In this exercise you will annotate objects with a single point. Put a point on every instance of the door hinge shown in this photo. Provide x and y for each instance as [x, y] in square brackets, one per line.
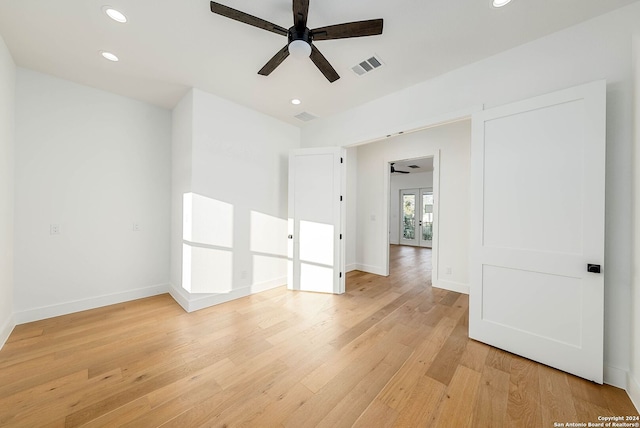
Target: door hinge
[340, 274]
[341, 236]
[340, 198]
[341, 160]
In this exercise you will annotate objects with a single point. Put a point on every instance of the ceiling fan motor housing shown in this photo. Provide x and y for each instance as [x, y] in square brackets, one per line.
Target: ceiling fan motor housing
[303, 34]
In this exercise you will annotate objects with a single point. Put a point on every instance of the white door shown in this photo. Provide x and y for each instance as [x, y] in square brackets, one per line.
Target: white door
[416, 217]
[537, 210]
[316, 210]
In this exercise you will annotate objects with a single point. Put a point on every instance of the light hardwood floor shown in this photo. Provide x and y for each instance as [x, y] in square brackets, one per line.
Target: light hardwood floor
[390, 352]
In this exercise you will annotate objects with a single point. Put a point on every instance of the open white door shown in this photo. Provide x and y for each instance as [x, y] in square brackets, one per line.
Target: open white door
[537, 210]
[316, 210]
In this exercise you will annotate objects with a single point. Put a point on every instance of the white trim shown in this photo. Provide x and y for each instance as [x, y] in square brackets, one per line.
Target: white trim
[435, 232]
[351, 267]
[269, 285]
[458, 287]
[6, 329]
[416, 126]
[66, 308]
[633, 390]
[376, 270]
[615, 377]
[195, 302]
[180, 296]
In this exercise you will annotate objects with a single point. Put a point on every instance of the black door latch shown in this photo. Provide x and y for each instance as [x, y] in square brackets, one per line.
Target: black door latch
[593, 268]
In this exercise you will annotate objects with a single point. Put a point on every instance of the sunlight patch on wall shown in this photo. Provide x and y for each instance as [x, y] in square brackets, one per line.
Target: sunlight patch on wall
[206, 270]
[207, 250]
[268, 268]
[268, 239]
[207, 221]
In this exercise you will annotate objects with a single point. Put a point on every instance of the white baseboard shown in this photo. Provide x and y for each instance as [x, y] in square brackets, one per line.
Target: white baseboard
[268, 285]
[45, 312]
[180, 296]
[195, 302]
[377, 270]
[633, 389]
[351, 267]
[6, 329]
[458, 287]
[615, 377]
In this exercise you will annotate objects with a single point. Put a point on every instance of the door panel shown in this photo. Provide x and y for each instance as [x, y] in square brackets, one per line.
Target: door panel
[426, 218]
[409, 221]
[315, 220]
[537, 174]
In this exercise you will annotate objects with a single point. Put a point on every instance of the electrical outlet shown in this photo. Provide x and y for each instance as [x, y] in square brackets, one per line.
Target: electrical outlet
[136, 227]
[54, 229]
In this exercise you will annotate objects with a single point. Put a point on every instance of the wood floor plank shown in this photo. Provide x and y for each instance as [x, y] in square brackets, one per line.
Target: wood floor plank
[490, 410]
[523, 404]
[391, 351]
[377, 414]
[556, 402]
[458, 403]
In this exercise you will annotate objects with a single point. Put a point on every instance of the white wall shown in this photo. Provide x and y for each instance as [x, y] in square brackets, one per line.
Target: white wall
[596, 49]
[7, 101]
[93, 163]
[239, 169]
[634, 372]
[181, 171]
[414, 180]
[451, 143]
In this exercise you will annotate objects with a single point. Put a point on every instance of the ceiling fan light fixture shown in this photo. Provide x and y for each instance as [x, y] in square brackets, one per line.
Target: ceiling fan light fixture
[299, 49]
[500, 3]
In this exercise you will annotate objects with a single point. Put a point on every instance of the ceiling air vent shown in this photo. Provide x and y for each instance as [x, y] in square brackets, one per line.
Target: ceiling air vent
[305, 116]
[367, 65]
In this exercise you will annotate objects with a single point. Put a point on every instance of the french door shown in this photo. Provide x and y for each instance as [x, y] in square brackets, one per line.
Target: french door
[416, 217]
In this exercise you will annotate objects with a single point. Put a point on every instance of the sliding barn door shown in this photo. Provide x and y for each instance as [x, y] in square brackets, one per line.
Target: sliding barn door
[316, 210]
[537, 185]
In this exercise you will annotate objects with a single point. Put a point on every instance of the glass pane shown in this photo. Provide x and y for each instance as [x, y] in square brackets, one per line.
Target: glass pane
[427, 216]
[409, 216]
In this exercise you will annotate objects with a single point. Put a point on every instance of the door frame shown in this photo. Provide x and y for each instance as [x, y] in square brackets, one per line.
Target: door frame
[436, 208]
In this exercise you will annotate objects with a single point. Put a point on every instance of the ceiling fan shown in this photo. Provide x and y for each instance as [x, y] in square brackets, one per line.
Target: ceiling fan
[395, 170]
[300, 37]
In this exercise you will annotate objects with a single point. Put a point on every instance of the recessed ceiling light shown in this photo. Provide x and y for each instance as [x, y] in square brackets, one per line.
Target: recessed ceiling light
[116, 15]
[109, 56]
[295, 101]
[500, 3]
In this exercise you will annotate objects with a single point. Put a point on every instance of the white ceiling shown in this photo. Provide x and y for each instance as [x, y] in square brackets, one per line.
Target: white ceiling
[169, 46]
[423, 164]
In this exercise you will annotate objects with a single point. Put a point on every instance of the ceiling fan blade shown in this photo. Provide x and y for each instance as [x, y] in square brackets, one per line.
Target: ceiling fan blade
[237, 15]
[403, 172]
[323, 65]
[275, 61]
[371, 27]
[300, 12]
